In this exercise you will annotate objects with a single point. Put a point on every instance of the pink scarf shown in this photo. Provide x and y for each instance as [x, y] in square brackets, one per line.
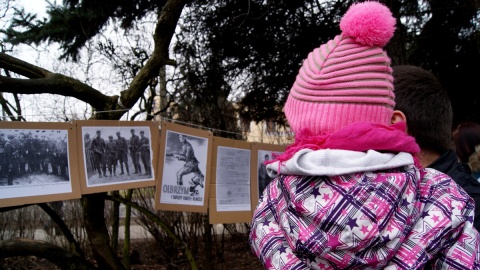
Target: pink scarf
[356, 137]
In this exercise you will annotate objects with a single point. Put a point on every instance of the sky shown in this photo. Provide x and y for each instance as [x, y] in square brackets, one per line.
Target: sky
[34, 6]
[97, 75]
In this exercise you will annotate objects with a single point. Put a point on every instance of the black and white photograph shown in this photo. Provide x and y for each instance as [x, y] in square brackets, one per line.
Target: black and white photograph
[35, 161]
[264, 156]
[117, 154]
[262, 153]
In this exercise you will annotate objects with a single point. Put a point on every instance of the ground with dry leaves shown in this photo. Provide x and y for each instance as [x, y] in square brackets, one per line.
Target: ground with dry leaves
[146, 256]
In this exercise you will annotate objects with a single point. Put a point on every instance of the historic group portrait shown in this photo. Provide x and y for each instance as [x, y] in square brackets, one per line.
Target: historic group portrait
[37, 162]
[117, 154]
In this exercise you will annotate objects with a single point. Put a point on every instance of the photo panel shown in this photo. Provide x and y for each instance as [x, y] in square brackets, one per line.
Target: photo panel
[117, 155]
[230, 199]
[260, 179]
[38, 163]
[184, 164]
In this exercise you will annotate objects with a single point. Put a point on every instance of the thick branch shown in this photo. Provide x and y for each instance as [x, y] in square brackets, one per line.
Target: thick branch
[45, 82]
[164, 30]
[53, 253]
[59, 85]
[20, 67]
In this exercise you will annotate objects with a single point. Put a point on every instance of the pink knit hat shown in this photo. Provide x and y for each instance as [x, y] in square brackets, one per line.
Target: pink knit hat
[348, 79]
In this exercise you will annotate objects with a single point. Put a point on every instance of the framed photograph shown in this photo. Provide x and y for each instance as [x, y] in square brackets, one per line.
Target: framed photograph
[230, 199]
[184, 165]
[116, 155]
[261, 153]
[38, 163]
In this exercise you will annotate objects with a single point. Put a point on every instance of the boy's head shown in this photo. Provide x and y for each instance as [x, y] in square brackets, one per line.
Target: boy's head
[348, 79]
[426, 106]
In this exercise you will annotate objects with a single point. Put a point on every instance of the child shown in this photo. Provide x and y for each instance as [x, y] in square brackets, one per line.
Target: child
[350, 193]
[423, 103]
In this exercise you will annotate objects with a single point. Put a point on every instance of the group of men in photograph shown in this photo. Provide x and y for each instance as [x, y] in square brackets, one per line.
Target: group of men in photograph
[104, 156]
[32, 152]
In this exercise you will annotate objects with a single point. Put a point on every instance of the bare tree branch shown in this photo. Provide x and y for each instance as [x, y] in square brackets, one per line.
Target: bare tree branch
[53, 253]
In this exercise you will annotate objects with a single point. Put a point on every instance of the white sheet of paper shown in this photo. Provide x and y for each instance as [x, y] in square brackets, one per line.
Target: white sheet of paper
[233, 179]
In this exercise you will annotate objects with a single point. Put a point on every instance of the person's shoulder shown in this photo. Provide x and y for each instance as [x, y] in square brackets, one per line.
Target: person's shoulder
[459, 185]
[434, 179]
[463, 176]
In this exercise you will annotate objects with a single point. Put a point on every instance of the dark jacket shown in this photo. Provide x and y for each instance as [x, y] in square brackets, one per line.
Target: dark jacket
[461, 173]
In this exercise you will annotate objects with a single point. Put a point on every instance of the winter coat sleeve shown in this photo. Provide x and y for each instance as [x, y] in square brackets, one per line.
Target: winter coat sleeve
[267, 237]
[461, 246]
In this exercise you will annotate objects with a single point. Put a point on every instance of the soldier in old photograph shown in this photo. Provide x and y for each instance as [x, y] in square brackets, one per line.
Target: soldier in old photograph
[60, 159]
[11, 159]
[134, 152]
[44, 156]
[111, 156]
[122, 152]
[191, 163]
[98, 148]
[20, 143]
[32, 146]
[145, 153]
[3, 141]
[87, 141]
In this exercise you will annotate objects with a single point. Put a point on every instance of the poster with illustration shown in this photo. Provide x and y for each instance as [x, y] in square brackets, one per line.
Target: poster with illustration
[184, 168]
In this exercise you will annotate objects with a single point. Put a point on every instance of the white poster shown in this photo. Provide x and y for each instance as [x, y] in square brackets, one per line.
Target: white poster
[233, 179]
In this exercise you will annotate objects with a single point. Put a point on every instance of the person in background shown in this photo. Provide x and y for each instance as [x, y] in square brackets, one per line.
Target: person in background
[466, 136]
[350, 192]
[427, 110]
[474, 163]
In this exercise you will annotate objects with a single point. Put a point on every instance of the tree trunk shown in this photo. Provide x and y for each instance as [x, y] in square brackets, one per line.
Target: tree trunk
[95, 225]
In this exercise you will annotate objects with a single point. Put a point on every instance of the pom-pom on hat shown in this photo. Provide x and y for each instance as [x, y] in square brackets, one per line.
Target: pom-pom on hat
[348, 79]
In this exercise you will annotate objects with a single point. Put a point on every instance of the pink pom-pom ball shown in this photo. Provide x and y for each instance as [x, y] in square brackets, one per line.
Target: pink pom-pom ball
[369, 23]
